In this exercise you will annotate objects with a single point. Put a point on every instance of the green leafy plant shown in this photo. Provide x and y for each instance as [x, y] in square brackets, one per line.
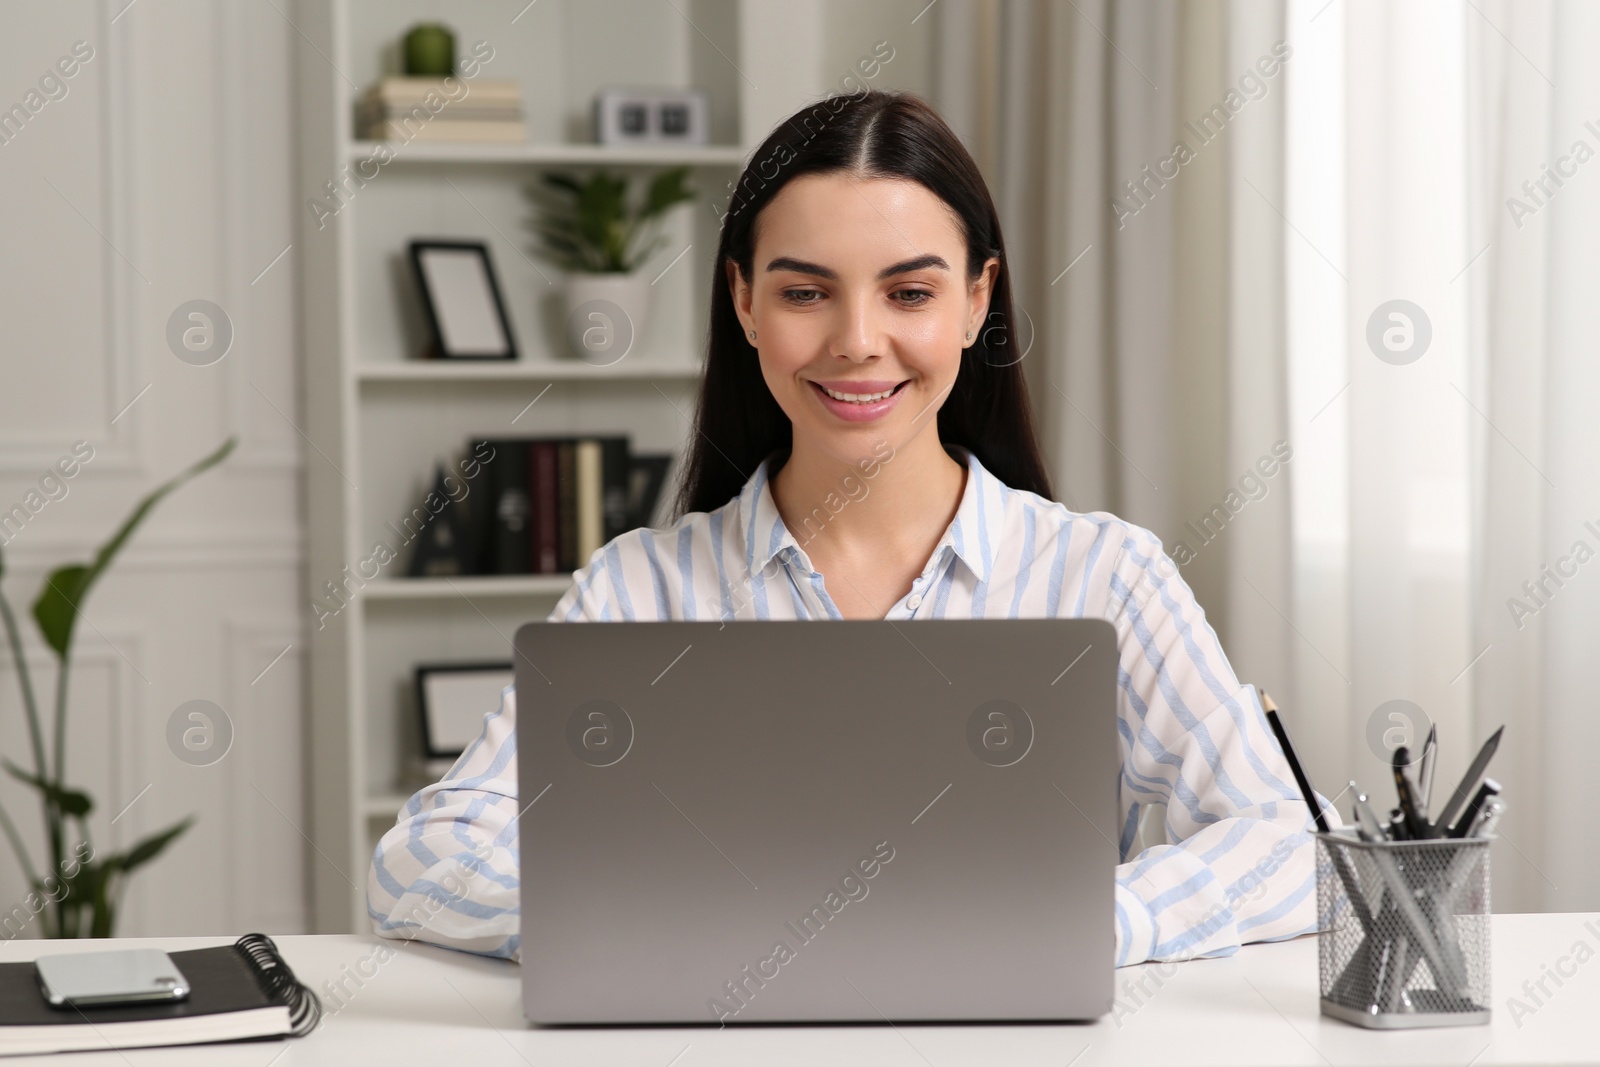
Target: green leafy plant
[593, 226]
[82, 891]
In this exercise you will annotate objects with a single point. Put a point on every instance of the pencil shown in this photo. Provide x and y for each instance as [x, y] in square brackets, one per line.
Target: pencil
[1294, 763]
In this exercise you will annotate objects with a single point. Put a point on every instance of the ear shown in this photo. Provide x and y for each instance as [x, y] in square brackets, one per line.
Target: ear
[741, 296]
[978, 294]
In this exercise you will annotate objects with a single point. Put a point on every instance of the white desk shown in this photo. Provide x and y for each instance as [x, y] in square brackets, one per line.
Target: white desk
[432, 1006]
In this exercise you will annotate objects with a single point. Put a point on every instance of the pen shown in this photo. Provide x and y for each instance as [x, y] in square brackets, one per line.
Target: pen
[1474, 772]
[1469, 818]
[1410, 772]
[1415, 828]
[1393, 985]
[1461, 865]
[1430, 753]
[1397, 825]
[1490, 818]
[1414, 925]
[1366, 822]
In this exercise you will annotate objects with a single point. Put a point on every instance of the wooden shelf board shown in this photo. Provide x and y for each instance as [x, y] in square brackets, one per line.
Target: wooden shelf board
[524, 153]
[444, 371]
[475, 585]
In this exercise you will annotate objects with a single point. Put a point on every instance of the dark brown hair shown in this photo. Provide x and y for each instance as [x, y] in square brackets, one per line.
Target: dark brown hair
[877, 134]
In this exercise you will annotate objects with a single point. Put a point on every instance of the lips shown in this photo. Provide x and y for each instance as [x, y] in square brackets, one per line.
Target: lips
[854, 410]
[861, 386]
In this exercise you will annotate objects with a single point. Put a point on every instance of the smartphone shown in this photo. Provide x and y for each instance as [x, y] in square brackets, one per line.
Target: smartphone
[124, 976]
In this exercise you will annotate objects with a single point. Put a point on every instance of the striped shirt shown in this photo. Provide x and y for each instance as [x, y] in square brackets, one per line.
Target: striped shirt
[1196, 753]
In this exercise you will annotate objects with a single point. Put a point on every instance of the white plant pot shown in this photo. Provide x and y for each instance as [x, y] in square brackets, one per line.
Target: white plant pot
[606, 315]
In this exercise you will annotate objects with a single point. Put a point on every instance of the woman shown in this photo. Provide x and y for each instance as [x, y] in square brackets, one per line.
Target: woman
[863, 449]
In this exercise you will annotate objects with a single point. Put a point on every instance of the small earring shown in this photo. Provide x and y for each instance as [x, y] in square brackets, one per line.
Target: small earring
[752, 335]
[969, 335]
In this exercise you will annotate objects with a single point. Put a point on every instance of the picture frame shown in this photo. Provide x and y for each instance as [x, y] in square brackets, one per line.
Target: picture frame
[651, 116]
[461, 296]
[452, 699]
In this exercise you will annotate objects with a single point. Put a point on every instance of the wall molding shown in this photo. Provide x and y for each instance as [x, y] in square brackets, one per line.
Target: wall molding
[185, 553]
[121, 449]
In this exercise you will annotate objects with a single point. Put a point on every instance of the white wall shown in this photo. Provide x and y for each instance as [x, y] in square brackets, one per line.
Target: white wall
[163, 175]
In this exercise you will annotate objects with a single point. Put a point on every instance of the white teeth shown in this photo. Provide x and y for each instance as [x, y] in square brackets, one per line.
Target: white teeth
[857, 398]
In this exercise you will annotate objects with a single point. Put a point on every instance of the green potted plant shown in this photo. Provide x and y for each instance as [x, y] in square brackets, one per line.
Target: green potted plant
[600, 236]
[79, 894]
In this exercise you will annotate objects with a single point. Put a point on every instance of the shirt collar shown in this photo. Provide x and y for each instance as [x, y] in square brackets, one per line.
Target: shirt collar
[971, 535]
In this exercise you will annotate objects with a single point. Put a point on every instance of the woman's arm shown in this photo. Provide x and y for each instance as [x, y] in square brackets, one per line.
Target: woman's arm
[1241, 862]
[448, 871]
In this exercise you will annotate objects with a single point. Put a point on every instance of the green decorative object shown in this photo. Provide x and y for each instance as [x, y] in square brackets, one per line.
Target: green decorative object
[430, 50]
[590, 227]
[81, 883]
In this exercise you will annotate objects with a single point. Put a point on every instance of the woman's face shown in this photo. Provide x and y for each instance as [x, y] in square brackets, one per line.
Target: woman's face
[860, 287]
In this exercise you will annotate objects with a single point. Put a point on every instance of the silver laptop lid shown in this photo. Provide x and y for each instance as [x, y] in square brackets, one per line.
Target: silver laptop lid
[786, 820]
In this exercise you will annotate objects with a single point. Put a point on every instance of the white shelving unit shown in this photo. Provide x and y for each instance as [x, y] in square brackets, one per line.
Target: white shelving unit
[377, 419]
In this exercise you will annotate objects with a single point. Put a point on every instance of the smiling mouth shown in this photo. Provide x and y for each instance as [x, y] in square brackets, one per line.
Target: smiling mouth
[860, 398]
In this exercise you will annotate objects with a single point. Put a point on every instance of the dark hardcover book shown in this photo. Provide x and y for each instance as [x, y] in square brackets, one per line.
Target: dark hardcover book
[546, 534]
[567, 504]
[509, 538]
[237, 992]
[441, 547]
[614, 486]
[647, 477]
[478, 513]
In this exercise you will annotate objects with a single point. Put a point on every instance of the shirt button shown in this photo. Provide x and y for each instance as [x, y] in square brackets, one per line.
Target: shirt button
[914, 601]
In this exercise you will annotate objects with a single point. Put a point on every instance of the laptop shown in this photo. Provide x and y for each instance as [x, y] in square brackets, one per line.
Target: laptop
[789, 821]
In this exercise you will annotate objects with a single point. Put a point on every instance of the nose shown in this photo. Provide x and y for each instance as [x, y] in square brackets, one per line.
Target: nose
[859, 333]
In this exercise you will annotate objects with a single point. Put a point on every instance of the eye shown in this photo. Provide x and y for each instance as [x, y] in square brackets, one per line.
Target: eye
[793, 295]
[922, 297]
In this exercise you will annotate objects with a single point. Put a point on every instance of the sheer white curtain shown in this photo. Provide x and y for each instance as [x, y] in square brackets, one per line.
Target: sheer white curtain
[1380, 387]
[1183, 323]
[1433, 483]
[1534, 132]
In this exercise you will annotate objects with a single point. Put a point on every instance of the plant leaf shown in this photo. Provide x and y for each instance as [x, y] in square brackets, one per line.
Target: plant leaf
[564, 182]
[70, 801]
[592, 225]
[142, 853]
[56, 610]
[152, 846]
[64, 588]
[80, 887]
[668, 188]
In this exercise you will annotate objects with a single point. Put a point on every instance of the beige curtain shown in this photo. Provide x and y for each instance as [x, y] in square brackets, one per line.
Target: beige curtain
[1149, 277]
[1152, 283]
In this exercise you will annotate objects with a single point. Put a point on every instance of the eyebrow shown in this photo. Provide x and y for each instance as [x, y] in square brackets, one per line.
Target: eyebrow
[800, 266]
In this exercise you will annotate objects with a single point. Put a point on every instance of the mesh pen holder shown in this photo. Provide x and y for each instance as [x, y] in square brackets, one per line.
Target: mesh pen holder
[1407, 930]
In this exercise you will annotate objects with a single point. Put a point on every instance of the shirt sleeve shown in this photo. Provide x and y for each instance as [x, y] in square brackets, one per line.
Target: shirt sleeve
[448, 872]
[1239, 864]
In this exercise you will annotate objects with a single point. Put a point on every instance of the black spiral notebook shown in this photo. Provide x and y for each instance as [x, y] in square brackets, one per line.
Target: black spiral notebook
[237, 992]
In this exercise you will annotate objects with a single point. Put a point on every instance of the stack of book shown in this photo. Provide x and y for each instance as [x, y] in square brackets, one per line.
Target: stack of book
[480, 109]
[542, 505]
